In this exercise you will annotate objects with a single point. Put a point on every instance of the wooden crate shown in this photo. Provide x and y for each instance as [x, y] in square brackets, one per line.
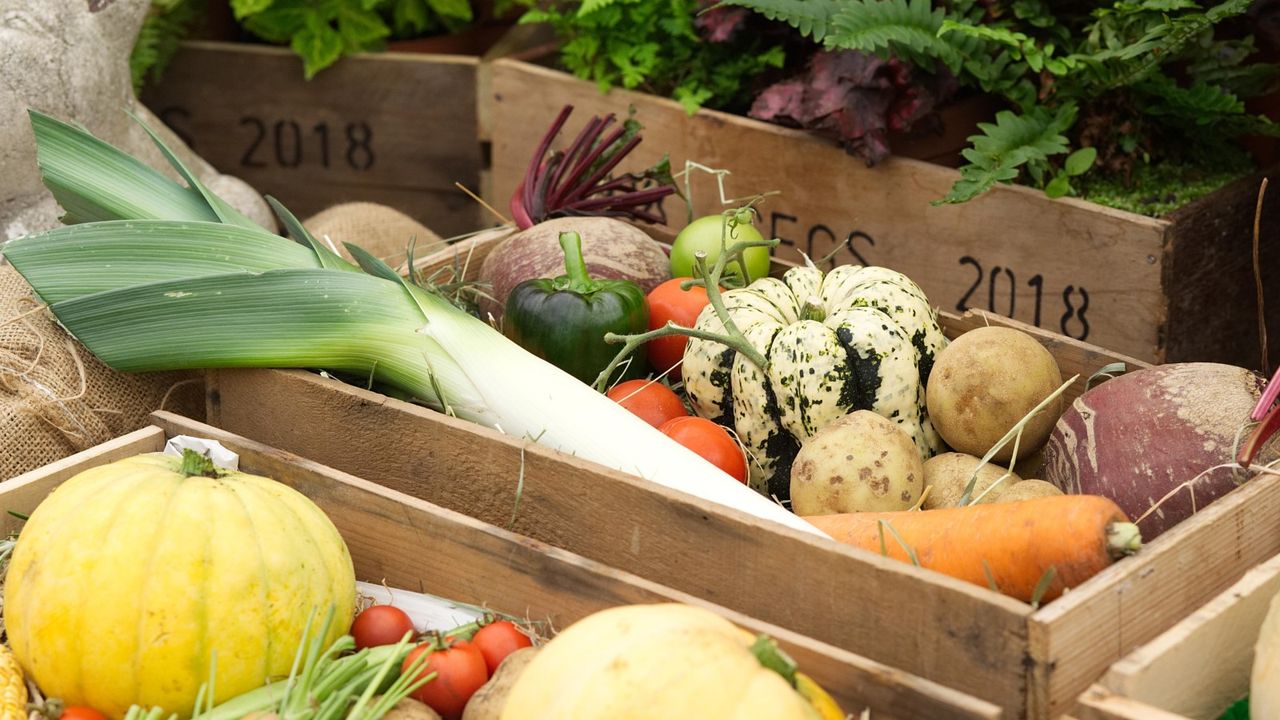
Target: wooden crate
[1162, 290]
[1032, 663]
[1198, 668]
[476, 563]
[392, 128]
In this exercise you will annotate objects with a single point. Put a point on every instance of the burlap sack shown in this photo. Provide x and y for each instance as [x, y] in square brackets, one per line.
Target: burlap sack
[56, 398]
[383, 231]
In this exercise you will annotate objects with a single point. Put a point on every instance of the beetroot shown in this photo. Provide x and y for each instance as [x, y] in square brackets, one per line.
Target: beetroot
[1136, 438]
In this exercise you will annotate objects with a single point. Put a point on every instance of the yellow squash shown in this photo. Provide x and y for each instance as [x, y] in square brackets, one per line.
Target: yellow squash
[652, 662]
[130, 576]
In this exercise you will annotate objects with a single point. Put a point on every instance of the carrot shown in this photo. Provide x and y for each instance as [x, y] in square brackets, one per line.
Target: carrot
[1076, 535]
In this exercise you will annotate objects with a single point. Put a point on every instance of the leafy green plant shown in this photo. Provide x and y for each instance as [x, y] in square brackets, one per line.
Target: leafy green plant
[322, 31]
[1122, 82]
[656, 46]
[167, 23]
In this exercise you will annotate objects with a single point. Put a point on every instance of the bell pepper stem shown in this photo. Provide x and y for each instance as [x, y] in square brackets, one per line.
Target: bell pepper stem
[575, 266]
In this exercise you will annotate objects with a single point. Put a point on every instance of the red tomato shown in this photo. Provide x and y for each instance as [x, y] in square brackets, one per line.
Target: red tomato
[380, 625]
[710, 441]
[669, 302]
[497, 640]
[461, 671]
[651, 401]
[80, 712]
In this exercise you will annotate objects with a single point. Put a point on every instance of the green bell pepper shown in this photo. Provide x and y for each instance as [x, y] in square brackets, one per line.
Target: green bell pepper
[564, 320]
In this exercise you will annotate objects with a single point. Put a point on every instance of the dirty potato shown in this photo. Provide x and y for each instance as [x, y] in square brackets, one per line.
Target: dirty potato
[410, 709]
[859, 463]
[948, 475]
[1027, 490]
[984, 383]
[487, 703]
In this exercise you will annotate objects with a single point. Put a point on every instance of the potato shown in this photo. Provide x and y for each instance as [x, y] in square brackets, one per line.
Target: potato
[410, 709]
[948, 474]
[1027, 490]
[859, 463]
[487, 703]
[984, 383]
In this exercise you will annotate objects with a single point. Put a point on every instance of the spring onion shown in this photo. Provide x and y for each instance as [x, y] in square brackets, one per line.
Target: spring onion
[197, 289]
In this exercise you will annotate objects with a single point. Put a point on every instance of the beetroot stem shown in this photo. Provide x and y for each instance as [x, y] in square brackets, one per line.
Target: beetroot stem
[579, 186]
[589, 133]
[605, 168]
[536, 163]
[639, 197]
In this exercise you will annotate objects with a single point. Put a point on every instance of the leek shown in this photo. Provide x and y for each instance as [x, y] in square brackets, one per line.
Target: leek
[193, 290]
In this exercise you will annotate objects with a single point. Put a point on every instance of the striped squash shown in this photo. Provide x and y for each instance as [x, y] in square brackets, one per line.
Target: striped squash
[857, 338]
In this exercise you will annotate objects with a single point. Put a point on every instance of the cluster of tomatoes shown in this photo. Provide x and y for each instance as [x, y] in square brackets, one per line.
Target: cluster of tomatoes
[656, 403]
[461, 666]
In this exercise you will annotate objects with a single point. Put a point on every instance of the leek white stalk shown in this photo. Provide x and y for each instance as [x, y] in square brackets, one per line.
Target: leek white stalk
[159, 295]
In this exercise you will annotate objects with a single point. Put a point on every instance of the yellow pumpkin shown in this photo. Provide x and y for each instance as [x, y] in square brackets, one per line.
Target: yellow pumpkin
[652, 662]
[130, 577]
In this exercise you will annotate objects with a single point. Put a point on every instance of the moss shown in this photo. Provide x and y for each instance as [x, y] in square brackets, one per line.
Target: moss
[1161, 188]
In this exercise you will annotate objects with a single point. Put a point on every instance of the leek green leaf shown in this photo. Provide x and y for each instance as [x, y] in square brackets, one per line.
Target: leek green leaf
[78, 260]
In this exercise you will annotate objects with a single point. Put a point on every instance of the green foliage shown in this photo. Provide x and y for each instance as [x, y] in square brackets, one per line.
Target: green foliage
[654, 46]
[1006, 146]
[810, 17]
[1079, 61]
[162, 30]
[322, 31]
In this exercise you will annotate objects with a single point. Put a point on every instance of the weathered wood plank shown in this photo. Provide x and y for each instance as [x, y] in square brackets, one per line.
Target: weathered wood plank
[1100, 704]
[393, 128]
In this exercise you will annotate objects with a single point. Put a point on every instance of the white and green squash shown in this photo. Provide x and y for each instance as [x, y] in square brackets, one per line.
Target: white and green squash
[856, 338]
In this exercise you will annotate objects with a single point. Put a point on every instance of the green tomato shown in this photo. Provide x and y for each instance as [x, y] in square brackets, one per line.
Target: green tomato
[704, 235]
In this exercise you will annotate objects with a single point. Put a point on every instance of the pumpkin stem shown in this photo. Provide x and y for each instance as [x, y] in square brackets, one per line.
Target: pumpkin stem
[193, 464]
[772, 657]
[813, 309]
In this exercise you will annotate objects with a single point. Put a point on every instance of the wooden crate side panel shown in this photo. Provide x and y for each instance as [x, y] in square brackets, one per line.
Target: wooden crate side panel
[848, 598]
[1202, 665]
[1209, 279]
[413, 544]
[1101, 704]
[393, 128]
[1075, 639]
[1089, 272]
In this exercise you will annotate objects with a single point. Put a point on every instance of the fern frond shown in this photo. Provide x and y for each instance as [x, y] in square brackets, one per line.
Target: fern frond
[590, 6]
[999, 153]
[811, 17]
[1161, 43]
[907, 28]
